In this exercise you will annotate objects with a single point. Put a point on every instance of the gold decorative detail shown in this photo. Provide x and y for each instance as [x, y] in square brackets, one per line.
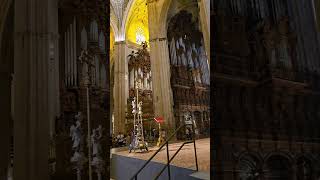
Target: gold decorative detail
[137, 24]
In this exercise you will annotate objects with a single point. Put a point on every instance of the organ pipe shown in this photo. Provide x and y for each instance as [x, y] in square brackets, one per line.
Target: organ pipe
[65, 60]
[68, 56]
[75, 72]
[71, 55]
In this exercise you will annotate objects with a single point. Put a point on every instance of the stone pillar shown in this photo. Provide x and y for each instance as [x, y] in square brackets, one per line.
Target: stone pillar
[204, 6]
[160, 68]
[31, 95]
[6, 69]
[54, 90]
[5, 131]
[119, 87]
[161, 87]
[4, 8]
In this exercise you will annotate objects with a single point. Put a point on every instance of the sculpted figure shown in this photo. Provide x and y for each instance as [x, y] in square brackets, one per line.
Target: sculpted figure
[140, 107]
[133, 103]
[187, 116]
[96, 141]
[75, 133]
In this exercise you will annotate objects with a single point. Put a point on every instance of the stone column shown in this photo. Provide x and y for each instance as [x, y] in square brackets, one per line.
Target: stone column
[4, 8]
[5, 131]
[6, 69]
[160, 69]
[162, 93]
[31, 94]
[204, 6]
[119, 87]
[54, 90]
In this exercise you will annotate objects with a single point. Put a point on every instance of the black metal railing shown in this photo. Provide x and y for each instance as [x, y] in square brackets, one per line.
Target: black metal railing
[135, 176]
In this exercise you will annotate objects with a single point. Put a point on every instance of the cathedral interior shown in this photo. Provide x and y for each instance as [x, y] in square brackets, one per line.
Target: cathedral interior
[173, 64]
[77, 77]
[71, 68]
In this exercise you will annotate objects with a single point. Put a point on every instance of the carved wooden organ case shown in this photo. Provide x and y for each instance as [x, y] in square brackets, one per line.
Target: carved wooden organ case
[83, 63]
[139, 68]
[190, 75]
[259, 87]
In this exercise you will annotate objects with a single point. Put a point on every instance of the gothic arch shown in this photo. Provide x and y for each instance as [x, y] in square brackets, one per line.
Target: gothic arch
[163, 18]
[279, 153]
[249, 165]
[251, 153]
[125, 18]
[114, 27]
[136, 19]
[278, 166]
[112, 41]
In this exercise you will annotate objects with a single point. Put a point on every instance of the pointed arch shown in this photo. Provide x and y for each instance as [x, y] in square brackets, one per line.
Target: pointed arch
[135, 17]
[126, 18]
[163, 17]
[116, 31]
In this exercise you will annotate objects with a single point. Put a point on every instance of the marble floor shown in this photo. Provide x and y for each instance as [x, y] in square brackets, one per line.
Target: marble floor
[185, 158]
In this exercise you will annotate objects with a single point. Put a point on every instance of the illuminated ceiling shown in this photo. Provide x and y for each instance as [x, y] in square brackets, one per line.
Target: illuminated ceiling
[137, 25]
[117, 9]
[112, 40]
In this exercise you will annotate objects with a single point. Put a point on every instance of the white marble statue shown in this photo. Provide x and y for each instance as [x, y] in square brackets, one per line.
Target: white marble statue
[97, 160]
[78, 159]
[75, 133]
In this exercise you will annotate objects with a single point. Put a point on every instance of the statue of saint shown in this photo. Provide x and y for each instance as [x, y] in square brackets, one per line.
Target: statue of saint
[97, 160]
[75, 133]
[95, 141]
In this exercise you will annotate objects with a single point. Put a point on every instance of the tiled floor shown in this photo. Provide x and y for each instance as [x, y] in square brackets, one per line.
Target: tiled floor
[185, 158]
